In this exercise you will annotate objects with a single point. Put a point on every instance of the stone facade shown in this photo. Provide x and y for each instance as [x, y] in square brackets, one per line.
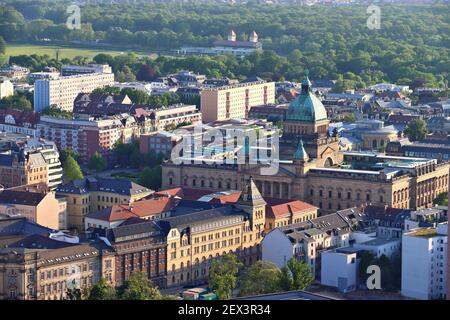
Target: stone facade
[318, 173]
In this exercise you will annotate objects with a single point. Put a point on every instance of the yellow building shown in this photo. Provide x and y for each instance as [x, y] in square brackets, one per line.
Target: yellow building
[194, 240]
[28, 274]
[235, 101]
[18, 169]
[280, 213]
[94, 194]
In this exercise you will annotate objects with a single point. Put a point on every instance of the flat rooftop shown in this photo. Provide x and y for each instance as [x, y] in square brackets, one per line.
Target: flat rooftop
[378, 242]
[424, 233]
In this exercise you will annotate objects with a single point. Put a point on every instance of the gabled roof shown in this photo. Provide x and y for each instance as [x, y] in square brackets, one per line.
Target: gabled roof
[21, 226]
[21, 197]
[279, 208]
[183, 193]
[148, 228]
[138, 209]
[385, 213]
[20, 117]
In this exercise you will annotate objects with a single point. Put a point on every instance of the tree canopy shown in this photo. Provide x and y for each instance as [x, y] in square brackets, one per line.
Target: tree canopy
[71, 170]
[223, 275]
[416, 130]
[410, 48]
[260, 278]
[138, 287]
[97, 162]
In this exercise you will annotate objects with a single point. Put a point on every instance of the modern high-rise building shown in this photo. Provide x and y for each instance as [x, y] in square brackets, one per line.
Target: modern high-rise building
[62, 92]
[235, 101]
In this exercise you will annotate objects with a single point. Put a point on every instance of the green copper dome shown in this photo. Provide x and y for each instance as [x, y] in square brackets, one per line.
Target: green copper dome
[306, 106]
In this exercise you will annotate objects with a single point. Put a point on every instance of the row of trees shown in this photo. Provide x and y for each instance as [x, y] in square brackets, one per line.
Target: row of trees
[225, 275]
[261, 277]
[136, 287]
[142, 98]
[411, 44]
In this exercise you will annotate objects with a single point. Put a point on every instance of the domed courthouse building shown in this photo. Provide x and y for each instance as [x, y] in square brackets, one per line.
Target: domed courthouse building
[312, 168]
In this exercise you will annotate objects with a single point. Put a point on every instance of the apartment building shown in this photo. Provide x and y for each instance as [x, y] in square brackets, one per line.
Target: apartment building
[62, 92]
[86, 136]
[161, 142]
[20, 168]
[174, 115]
[12, 143]
[235, 101]
[306, 240]
[70, 70]
[18, 121]
[14, 72]
[424, 263]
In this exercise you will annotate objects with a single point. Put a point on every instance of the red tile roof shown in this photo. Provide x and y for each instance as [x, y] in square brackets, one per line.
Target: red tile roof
[20, 117]
[279, 208]
[227, 198]
[138, 209]
[183, 193]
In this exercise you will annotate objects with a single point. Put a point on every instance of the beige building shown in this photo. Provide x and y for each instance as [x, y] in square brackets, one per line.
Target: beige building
[280, 213]
[235, 101]
[19, 169]
[35, 203]
[312, 169]
[195, 240]
[46, 274]
[6, 88]
[94, 194]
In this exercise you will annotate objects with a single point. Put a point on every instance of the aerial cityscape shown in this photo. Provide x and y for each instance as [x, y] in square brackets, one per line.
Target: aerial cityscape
[231, 150]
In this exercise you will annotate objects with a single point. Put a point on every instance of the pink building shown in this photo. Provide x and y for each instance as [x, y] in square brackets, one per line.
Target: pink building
[35, 203]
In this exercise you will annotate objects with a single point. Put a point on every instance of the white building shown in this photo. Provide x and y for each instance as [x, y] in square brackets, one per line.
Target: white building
[380, 87]
[69, 70]
[306, 243]
[380, 246]
[141, 86]
[62, 92]
[6, 88]
[340, 269]
[14, 72]
[424, 263]
[43, 75]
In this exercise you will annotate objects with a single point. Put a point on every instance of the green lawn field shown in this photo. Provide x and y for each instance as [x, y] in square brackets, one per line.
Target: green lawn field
[64, 52]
